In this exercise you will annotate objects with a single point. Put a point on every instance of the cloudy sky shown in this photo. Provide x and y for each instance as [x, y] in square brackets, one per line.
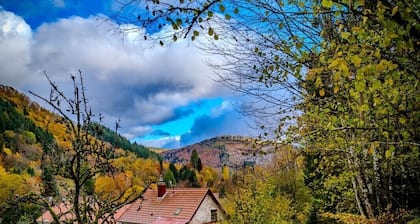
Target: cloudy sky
[165, 97]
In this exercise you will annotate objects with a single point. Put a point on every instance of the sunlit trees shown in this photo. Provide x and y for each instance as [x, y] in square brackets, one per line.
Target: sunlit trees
[360, 111]
[270, 194]
[86, 158]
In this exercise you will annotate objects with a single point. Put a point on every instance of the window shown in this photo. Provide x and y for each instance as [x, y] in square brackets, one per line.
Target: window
[178, 210]
[213, 213]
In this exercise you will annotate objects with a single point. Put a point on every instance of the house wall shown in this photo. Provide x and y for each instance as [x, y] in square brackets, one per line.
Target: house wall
[203, 214]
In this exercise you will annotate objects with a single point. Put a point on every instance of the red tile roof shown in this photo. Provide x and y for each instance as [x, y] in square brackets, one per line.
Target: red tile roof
[151, 209]
[62, 209]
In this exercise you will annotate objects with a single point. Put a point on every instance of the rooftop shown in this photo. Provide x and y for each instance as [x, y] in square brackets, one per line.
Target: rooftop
[176, 206]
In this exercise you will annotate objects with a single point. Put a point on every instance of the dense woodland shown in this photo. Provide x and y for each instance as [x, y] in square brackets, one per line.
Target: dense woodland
[340, 80]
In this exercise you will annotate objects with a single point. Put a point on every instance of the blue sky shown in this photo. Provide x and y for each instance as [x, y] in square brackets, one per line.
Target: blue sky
[165, 97]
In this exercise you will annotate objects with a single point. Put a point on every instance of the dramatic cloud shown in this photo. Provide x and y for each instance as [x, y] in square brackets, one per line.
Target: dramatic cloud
[153, 90]
[129, 79]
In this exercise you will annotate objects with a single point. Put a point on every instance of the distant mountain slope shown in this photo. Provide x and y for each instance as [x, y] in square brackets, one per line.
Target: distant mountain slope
[233, 151]
[18, 114]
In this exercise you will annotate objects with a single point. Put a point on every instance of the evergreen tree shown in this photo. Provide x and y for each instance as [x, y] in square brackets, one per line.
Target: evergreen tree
[194, 159]
[174, 171]
[199, 165]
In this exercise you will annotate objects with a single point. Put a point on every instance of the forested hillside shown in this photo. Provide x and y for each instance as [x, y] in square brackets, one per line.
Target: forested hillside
[34, 145]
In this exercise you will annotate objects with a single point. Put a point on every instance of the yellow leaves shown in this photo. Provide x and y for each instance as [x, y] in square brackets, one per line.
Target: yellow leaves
[345, 35]
[402, 120]
[327, 3]
[377, 53]
[8, 151]
[360, 85]
[225, 173]
[364, 108]
[356, 60]
[10, 185]
[322, 92]
[389, 81]
[390, 151]
[109, 187]
[335, 90]
[339, 64]
[318, 82]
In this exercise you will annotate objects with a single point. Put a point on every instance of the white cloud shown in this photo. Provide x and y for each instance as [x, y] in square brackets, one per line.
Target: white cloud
[164, 142]
[15, 40]
[125, 77]
[137, 131]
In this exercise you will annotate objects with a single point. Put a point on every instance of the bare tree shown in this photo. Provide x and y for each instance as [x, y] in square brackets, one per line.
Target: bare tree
[87, 158]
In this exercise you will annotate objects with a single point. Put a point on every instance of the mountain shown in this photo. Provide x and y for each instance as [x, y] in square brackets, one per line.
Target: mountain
[25, 124]
[233, 151]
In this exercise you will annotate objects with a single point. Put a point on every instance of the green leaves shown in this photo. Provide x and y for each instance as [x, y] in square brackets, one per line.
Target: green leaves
[210, 31]
[222, 8]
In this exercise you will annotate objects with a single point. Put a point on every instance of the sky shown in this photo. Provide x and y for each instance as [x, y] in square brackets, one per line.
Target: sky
[164, 96]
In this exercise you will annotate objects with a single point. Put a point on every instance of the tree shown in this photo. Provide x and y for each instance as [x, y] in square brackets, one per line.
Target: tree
[174, 171]
[87, 158]
[169, 178]
[271, 194]
[360, 114]
[194, 159]
[199, 165]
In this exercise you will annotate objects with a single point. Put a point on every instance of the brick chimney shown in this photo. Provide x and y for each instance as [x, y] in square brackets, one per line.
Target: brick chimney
[161, 188]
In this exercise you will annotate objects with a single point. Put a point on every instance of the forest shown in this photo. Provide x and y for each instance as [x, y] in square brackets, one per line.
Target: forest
[336, 82]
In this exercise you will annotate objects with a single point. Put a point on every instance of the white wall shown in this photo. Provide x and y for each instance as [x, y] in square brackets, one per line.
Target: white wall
[203, 214]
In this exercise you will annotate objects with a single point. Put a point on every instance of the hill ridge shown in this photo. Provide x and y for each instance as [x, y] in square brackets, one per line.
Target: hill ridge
[233, 151]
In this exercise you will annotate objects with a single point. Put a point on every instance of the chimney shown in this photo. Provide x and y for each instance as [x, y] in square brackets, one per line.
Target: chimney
[161, 188]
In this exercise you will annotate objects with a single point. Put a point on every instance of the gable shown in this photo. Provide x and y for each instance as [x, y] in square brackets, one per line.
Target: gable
[204, 211]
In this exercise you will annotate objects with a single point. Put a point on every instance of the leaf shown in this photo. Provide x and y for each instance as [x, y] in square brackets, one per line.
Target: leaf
[236, 11]
[322, 92]
[345, 35]
[356, 60]
[227, 17]
[402, 120]
[390, 151]
[327, 3]
[388, 154]
[336, 88]
[360, 85]
[394, 10]
[364, 107]
[318, 82]
[222, 8]
[210, 32]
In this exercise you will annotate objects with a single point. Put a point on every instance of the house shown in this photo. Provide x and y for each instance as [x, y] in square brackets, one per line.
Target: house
[174, 206]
